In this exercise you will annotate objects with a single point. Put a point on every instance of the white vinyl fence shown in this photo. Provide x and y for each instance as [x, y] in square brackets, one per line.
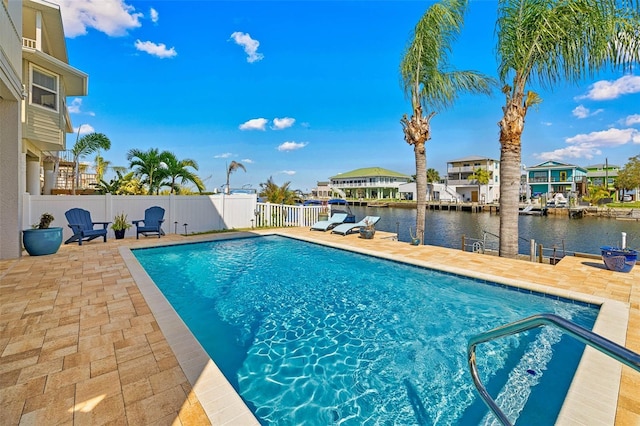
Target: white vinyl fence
[184, 214]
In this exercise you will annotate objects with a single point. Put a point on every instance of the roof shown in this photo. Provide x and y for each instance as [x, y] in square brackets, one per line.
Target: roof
[556, 165]
[471, 158]
[369, 172]
[602, 166]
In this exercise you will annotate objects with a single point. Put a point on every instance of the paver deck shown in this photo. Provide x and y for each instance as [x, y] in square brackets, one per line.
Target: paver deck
[80, 344]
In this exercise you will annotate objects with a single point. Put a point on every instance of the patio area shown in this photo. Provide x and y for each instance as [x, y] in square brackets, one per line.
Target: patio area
[80, 344]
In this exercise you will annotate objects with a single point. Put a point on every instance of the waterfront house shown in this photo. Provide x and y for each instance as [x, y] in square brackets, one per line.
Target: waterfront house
[598, 174]
[461, 176]
[553, 177]
[369, 182]
[35, 80]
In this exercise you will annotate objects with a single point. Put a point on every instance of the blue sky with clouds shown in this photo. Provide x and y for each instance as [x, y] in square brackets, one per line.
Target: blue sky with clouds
[305, 90]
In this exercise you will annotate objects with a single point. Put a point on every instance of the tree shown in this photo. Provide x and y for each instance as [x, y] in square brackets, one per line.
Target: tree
[101, 166]
[88, 144]
[178, 170]
[432, 176]
[277, 194]
[148, 166]
[482, 176]
[430, 83]
[629, 177]
[232, 168]
[549, 41]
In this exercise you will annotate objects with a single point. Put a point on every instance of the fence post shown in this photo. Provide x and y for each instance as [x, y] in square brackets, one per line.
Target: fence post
[540, 253]
[463, 243]
[532, 250]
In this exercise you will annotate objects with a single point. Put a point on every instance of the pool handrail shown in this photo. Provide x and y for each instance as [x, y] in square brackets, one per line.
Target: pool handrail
[602, 344]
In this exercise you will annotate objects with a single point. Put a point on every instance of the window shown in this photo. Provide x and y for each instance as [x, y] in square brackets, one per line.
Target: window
[44, 89]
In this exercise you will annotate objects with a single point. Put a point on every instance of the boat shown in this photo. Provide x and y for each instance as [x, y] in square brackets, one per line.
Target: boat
[530, 211]
[339, 205]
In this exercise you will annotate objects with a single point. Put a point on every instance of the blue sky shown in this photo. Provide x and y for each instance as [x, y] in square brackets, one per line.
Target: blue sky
[305, 90]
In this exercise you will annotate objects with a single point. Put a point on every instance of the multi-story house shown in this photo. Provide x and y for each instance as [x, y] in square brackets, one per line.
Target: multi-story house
[370, 182]
[552, 177]
[598, 174]
[462, 175]
[36, 79]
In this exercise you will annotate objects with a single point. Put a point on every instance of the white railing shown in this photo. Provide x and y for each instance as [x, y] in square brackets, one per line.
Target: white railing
[270, 215]
[29, 43]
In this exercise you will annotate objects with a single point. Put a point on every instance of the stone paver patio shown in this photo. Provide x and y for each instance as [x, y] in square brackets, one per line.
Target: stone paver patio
[79, 344]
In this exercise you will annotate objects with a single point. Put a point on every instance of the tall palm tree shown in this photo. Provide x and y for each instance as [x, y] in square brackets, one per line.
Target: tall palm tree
[432, 176]
[178, 170]
[233, 166]
[549, 41]
[101, 166]
[148, 166]
[482, 176]
[432, 85]
[88, 144]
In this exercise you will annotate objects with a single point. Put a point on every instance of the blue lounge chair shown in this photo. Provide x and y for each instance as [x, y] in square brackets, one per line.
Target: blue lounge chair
[333, 221]
[347, 228]
[83, 227]
[152, 222]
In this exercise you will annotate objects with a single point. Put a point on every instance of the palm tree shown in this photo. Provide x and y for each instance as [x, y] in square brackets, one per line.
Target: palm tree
[86, 145]
[101, 166]
[548, 42]
[178, 169]
[432, 176]
[482, 176]
[148, 166]
[277, 194]
[430, 83]
[232, 168]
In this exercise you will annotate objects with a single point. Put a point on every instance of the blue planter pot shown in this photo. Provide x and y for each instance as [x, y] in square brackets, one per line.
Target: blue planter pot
[616, 259]
[38, 242]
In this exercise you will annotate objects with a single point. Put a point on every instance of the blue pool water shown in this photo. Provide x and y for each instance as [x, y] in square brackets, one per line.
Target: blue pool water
[314, 335]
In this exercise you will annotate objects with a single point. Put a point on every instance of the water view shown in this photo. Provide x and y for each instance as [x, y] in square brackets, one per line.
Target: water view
[444, 228]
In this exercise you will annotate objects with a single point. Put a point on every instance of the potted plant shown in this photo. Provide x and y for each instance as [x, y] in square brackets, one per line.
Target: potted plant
[120, 225]
[41, 239]
[619, 259]
[368, 230]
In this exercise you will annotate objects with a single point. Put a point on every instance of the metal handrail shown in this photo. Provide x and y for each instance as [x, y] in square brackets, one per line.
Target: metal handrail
[620, 353]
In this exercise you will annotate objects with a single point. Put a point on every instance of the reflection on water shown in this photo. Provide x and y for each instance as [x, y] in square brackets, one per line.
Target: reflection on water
[444, 228]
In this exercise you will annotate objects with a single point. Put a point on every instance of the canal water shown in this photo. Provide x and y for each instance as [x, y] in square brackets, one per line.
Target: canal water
[445, 228]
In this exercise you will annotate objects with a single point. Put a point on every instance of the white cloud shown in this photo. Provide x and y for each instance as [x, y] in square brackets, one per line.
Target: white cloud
[112, 17]
[247, 160]
[84, 129]
[224, 155]
[74, 106]
[291, 146]
[607, 138]
[587, 145]
[605, 89]
[250, 46]
[254, 124]
[569, 152]
[547, 123]
[582, 112]
[153, 14]
[632, 119]
[153, 49]
[287, 172]
[283, 123]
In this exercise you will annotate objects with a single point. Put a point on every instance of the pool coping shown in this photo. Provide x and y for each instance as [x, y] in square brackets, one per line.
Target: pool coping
[592, 396]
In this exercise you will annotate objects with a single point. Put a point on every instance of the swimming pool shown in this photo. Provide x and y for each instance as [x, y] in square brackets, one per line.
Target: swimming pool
[311, 334]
